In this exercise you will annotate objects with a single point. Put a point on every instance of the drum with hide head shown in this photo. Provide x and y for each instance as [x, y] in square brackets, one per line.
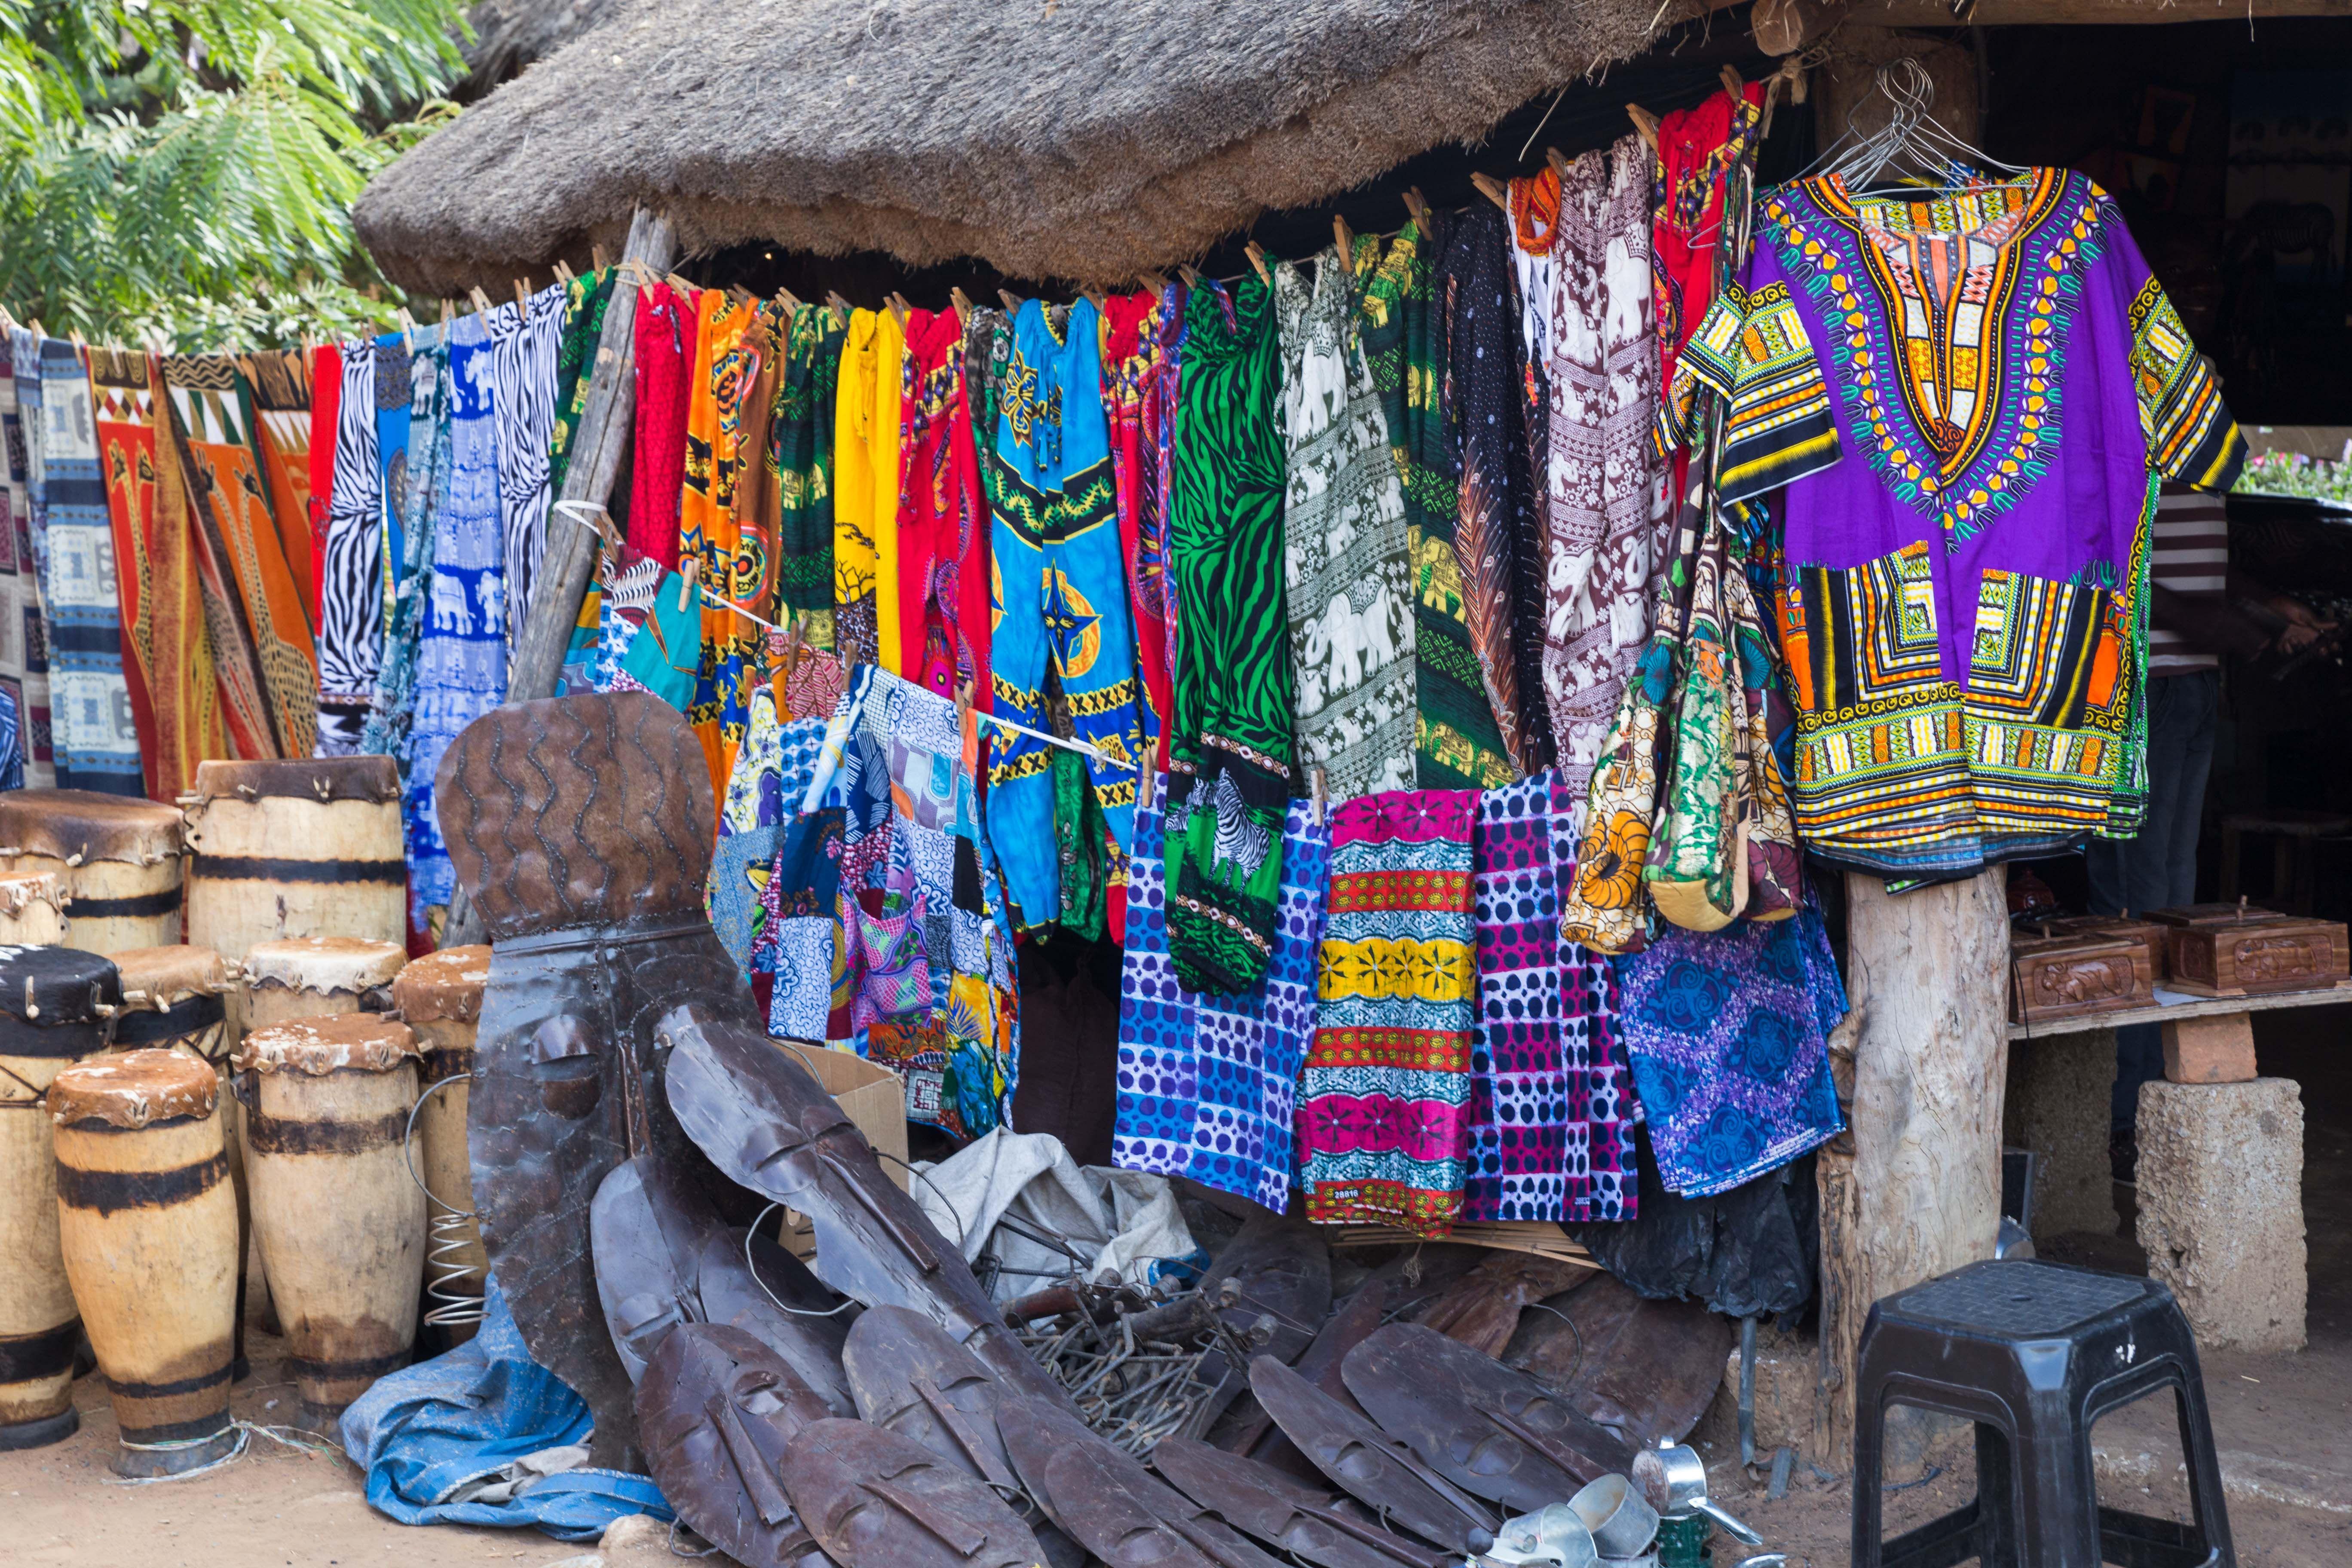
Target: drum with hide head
[340, 1219]
[148, 1222]
[309, 977]
[32, 910]
[54, 1004]
[118, 861]
[306, 848]
[176, 998]
[440, 997]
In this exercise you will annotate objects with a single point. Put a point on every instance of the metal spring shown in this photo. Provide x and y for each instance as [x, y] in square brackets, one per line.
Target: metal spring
[449, 1231]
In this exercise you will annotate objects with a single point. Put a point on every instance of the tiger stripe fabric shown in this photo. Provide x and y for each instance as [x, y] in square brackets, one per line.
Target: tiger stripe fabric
[1233, 745]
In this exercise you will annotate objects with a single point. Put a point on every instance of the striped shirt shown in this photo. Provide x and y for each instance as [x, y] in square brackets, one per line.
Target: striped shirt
[2190, 555]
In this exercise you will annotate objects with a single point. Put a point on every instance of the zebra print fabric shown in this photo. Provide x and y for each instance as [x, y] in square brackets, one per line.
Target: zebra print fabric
[351, 584]
[523, 347]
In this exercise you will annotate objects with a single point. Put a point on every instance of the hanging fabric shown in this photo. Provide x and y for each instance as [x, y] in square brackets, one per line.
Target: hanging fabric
[425, 489]
[1608, 506]
[326, 416]
[943, 521]
[1061, 594]
[1140, 333]
[212, 407]
[730, 345]
[1551, 1135]
[350, 580]
[1456, 743]
[587, 299]
[1703, 170]
[865, 483]
[279, 382]
[167, 664]
[1695, 869]
[1348, 578]
[461, 657]
[392, 385]
[96, 748]
[1729, 1032]
[524, 337]
[1233, 745]
[801, 454]
[1208, 1084]
[1384, 1098]
[24, 658]
[1497, 549]
[666, 327]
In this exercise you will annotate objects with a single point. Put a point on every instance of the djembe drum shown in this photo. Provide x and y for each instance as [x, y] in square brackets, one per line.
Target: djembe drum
[32, 910]
[54, 1003]
[440, 997]
[340, 1219]
[148, 1222]
[119, 862]
[175, 998]
[310, 976]
[308, 847]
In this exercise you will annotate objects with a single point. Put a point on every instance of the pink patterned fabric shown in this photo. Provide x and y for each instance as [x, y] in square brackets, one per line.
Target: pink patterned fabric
[1606, 505]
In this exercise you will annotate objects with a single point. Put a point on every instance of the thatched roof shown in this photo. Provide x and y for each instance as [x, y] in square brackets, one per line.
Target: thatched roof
[511, 35]
[1080, 139]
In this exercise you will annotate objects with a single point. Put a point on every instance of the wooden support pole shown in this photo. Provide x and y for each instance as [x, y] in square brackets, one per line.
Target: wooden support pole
[1784, 26]
[1913, 1189]
[605, 426]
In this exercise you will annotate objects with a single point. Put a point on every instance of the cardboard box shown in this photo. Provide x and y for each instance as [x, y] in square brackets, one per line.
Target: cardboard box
[872, 1095]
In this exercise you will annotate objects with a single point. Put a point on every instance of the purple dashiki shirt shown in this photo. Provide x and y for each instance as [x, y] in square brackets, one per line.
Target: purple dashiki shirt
[1971, 396]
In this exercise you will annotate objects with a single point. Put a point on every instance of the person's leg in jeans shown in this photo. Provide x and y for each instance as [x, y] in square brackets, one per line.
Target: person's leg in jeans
[2194, 722]
[2136, 875]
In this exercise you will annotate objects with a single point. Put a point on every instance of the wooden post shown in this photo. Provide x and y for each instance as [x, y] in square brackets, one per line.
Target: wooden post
[1784, 26]
[1913, 1189]
[605, 426]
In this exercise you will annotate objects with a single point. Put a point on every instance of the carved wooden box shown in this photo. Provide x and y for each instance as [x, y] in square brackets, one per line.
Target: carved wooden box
[2254, 952]
[2151, 934]
[2065, 976]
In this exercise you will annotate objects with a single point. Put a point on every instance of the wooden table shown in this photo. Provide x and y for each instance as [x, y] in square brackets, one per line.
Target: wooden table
[2181, 1006]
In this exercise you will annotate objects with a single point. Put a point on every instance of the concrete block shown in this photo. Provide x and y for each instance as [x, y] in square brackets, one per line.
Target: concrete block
[2211, 1050]
[1788, 1367]
[2221, 1207]
[2060, 1086]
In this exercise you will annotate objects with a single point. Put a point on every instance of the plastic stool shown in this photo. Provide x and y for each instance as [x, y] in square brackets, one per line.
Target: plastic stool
[2034, 1353]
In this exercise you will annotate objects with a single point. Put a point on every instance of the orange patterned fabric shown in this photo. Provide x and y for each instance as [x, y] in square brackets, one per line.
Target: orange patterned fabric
[728, 358]
[212, 408]
[280, 381]
[167, 657]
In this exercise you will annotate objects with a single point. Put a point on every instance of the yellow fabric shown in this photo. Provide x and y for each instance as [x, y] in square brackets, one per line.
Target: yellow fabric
[889, 393]
[854, 562]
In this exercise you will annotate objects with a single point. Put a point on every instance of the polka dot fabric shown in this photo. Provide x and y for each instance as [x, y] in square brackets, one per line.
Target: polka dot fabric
[1548, 1100]
[1208, 1084]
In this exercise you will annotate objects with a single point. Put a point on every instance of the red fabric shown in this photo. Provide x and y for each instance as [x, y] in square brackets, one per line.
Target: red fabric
[667, 329]
[1696, 148]
[326, 408]
[943, 523]
[1134, 358]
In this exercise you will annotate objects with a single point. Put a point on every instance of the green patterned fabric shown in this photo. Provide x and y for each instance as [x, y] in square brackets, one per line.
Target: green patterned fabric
[1456, 743]
[800, 456]
[1231, 751]
[1078, 842]
[584, 300]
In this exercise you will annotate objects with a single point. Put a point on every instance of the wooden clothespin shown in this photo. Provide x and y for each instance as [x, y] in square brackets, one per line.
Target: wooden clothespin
[1492, 189]
[737, 295]
[1144, 780]
[1343, 239]
[1645, 124]
[522, 296]
[1191, 278]
[1155, 281]
[596, 256]
[407, 328]
[898, 308]
[1731, 82]
[962, 303]
[481, 301]
[448, 313]
[1558, 160]
[1092, 295]
[840, 306]
[35, 327]
[787, 298]
[1256, 254]
[1418, 205]
[689, 579]
[1012, 301]
[1320, 788]
[81, 345]
[685, 289]
[564, 274]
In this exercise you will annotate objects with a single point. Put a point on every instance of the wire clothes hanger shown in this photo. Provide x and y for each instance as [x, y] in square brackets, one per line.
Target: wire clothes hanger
[1913, 148]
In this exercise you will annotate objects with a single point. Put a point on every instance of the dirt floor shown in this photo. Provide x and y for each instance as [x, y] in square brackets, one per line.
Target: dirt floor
[2283, 1424]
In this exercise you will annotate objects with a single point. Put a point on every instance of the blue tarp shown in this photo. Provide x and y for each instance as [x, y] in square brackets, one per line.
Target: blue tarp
[425, 1433]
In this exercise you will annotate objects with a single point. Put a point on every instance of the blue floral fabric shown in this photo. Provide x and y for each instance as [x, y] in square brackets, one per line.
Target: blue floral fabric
[1728, 1033]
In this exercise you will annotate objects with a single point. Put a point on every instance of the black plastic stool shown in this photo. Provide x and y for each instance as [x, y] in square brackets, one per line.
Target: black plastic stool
[2034, 1353]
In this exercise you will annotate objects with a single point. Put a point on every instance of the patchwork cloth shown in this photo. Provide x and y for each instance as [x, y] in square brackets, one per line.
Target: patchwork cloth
[1384, 1100]
[1550, 1129]
[1208, 1084]
[1728, 1033]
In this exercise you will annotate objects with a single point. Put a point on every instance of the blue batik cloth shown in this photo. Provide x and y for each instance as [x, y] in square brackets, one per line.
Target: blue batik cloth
[1208, 1086]
[89, 705]
[423, 1434]
[461, 655]
[1729, 1032]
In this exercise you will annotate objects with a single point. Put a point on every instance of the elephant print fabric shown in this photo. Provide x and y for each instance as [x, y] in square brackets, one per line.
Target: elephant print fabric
[1348, 577]
[1606, 506]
